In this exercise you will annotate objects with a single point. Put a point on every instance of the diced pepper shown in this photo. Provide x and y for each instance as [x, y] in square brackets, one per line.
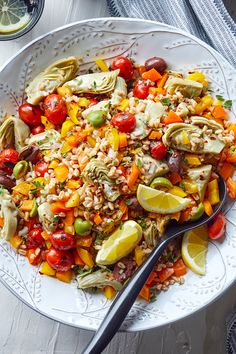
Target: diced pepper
[172, 117]
[1, 222]
[176, 216]
[97, 219]
[145, 293]
[192, 160]
[16, 241]
[48, 125]
[74, 200]
[75, 139]
[53, 164]
[155, 135]
[33, 258]
[102, 65]
[151, 278]
[66, 148]
[231, 186]
[141, 69]
[213, 192]
[179, 268]
[27, 205]
[165, 274]
[231, 154]
[24, 188]
[73, 184]
[177, 191]
[69, 229]
[227, 170]
[91, 141]
[46, 269]
[207, 207]
[152, 75]
[114, 138]
[78, 260]
[156, 91]
[189, 187]
[219, 112]
[199, 77]
[206, 102]
[45, 235]
[66, 277]
[185, 137]
[59, 207]
[70, 218]
[64, 91]
[138, 255]
[86, 257]
[185, 215]
[109, 292]
[123, 105]
[84, 241]
[123, 206]
[82, 161]
[175, 178]
[232, 128]
[61, 173]
[162, 81]
[122, 140]
[48, 244]
[133, 176]
[66, 127]
[83, 102]
[72, 110]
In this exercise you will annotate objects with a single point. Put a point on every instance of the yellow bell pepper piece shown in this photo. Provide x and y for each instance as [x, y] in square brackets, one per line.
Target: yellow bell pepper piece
[189, 187]
[66, 127]
[177, 191]
[16, 241]
[73, 184]
[69, 229]
[46, 123]
[199, 77]
[72, 110]
[46, 269]
[123, 105]
[206, 102]
[83, 102]
[65, 276]
[27, 205]
[213, 192]
[192, 160]
[48, 244]
[61, 173]
[91, 141]
[66, 148]
[86, 257]
[109, 292]
[74, 201]
[102, 65]
[45, 235]
[138, 255]
[114, 139]
[185, 137]
[64, 91]
[23, 188]
[53, 164]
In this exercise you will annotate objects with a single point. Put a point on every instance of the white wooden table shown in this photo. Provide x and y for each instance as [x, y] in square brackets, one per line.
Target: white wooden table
[23, 331]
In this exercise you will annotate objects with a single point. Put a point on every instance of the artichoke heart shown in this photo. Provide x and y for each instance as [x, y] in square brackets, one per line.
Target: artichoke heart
[141, 130]
[100, 106]
[152, 167]
[98, 83]
[120, 91]
[200, 176]
[212, 124]
[97, 279]
[13, 131]
[51, 78]
[154, 111]
[45, 140]
[176, 134]
[96, 169]
[188, 88]
[46, 216]
[8, 212]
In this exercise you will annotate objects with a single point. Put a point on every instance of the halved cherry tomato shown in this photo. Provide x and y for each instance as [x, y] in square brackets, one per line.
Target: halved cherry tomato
[30, 114]
[59, 260]
[9, 155]
[125, 65]
[41, 168]
[158, 150]
[38, 129]
[55, 109]
[141, 90]
[35, 238]
[216, 229]
[62, 241]
[125, 122]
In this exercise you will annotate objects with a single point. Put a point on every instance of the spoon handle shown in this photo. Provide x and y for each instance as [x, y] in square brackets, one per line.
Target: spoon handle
[123, 303]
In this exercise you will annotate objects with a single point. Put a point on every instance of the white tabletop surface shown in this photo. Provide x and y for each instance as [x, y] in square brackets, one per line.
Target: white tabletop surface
[23, 331]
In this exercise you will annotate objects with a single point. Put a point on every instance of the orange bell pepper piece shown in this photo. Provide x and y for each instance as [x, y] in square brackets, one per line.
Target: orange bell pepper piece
[61, 173]
[97, 219]
[172, 117]
[219, 112]
[65, 276]
[163, 80]
[70, 218]
[78, 260]
[232, 128]
[59, 207]
[231, 186]
[179, 268]
[207, 207]
[175, 178]
[84, 241]
[141, 69]
[155, 135]
[152, 75]
[122, 140]
[151, 278]
[145, 293]
[1, 222]
[133, 176]
[86, 257]
[165, 274]
[227, 170]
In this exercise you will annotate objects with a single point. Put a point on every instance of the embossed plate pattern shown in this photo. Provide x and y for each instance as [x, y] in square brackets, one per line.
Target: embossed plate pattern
[107, 38]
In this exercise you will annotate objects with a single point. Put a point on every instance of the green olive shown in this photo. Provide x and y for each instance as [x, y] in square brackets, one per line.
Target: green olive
[198, 213]
[20, 169]
[97, 118]
[82, 227]
[161, 182]
[34, 210]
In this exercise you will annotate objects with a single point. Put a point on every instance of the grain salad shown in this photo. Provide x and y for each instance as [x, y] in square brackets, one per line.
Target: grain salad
[95, 166]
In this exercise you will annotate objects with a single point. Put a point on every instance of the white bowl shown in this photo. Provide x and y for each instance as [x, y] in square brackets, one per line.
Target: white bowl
[107, 38]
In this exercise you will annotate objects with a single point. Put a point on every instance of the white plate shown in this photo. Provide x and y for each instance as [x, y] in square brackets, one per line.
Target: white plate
[107, 38]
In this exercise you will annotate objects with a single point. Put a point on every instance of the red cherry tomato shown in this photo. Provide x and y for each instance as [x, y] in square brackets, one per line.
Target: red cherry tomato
[125, 65]
[31, 222]
[30, 114]
[55, 109]
[141, 90]
[125, 122]
[35, 238]
[216, 229]
[62, 241]
[59, 260]
[158, 150]
[37, 130]
[9, 155]
[93, 101]
[41, 168]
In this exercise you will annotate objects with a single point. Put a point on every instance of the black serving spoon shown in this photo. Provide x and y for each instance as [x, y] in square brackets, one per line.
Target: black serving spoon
[127, 296]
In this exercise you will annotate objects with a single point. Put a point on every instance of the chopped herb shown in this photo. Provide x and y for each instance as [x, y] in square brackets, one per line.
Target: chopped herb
[228, 104]
[34, 191]
[128, 201]
[170, 151]
[94, 85]
[64, 154]
[153, 298]
[142, 222]
[37, 183]
[139, 163]
[108, 105]
[121, 225]
[165, 101]
[182, 185]
[220, 98]
[61, 186]
[55, 218]
[170, 257]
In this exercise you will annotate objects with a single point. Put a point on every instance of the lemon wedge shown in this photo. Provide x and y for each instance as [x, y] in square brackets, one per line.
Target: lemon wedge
[13, 15]
[120, 243]
[160, 202]
[194, 249]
